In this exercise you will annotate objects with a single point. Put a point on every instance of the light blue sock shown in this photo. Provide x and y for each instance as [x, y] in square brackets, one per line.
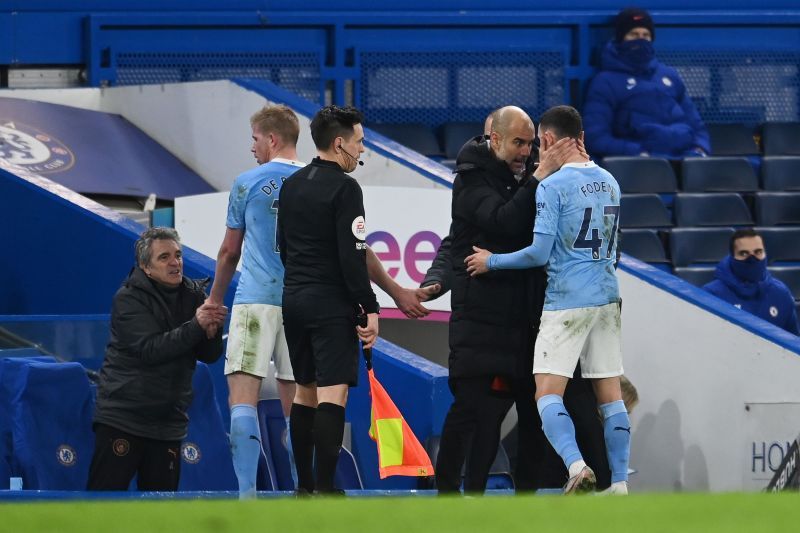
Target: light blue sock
[558, 428]
[288, 445]
[617, 432]
[245, 447]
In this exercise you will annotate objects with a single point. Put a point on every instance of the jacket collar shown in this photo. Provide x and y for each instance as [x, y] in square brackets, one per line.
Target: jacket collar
[476, 155]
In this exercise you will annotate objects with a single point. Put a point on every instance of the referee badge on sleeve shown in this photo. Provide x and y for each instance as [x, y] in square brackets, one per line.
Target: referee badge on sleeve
[359, 228]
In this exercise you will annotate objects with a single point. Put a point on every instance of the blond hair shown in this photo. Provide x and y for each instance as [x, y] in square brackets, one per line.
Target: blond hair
[278, 120]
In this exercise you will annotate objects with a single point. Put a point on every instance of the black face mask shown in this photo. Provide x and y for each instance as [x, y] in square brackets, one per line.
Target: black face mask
[751, 269]
[638, 53]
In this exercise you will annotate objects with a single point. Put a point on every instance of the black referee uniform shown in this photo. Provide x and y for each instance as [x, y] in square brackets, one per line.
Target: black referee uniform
[321, 233]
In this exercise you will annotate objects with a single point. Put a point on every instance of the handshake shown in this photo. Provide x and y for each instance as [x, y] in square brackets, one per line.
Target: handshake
[211, 316]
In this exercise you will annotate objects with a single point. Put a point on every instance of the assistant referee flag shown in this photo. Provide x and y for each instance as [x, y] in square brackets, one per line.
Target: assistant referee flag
[399, 451]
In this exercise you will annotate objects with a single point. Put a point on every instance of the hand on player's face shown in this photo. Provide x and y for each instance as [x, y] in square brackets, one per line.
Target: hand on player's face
[476, 263]
[553, 155]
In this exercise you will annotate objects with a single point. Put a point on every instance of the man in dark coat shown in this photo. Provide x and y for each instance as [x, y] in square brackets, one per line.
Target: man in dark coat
[160, 328]
[636, 105]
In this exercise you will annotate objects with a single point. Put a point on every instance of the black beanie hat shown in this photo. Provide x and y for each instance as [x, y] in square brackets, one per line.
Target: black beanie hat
[631, 18]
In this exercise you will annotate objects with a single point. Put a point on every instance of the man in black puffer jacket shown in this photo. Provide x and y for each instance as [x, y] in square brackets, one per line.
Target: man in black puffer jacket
[160, 328]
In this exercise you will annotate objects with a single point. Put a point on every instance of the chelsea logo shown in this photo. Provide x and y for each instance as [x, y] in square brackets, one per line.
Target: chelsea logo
[66, 455]
[191, 453]
[33, 150]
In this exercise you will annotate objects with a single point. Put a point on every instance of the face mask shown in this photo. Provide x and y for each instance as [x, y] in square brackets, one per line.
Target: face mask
[637, 53]
[750, 269]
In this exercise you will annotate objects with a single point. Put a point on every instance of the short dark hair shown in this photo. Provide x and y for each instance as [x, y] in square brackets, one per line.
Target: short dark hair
[278, 120]
[144, 244]
[563, 121]
[333, 121]
[742, 234]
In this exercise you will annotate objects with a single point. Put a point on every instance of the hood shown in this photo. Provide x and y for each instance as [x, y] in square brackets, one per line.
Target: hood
[612, 60]
[743, 289]
[474, 154]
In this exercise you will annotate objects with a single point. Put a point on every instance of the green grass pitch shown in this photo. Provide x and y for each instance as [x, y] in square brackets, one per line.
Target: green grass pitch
[591, 514]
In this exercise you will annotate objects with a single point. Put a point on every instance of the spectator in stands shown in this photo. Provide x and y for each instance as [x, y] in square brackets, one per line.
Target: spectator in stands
[742, 279]
[492, 325]
[636, 105]
[161, 326]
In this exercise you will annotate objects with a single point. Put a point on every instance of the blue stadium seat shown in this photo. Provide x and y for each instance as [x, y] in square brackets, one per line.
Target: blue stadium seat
[643, 244]
[790, 275]
[732, 139]
[50, 417]
[698, 245]
[207, 463]
[782, 243]
[643, 211]
[417, 137]
[22, 356]
[276, 456]
[780, 173]
[456, 134]
[273, 429]
[776, 208]
[347, 476]
[696, 275]
[781, 138]
[712, 209]
[718, 174]
[642, 174]
[500, 471]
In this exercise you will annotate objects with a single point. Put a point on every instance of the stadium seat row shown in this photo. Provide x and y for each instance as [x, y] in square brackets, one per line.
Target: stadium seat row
[710, 209]
[777, 138]
[46, 436]
[707, 174]
[687, 246]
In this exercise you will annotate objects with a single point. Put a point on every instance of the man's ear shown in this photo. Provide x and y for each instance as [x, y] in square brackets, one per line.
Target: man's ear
[581, 136]
[494, 138]
[546, 138]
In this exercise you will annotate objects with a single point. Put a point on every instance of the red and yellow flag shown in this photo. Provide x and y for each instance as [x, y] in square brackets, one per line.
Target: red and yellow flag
[399, 451]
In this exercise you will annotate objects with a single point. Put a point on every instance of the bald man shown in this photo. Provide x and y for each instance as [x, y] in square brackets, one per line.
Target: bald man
[493, 318]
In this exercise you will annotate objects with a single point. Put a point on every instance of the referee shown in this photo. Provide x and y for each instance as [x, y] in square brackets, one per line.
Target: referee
[321, 232]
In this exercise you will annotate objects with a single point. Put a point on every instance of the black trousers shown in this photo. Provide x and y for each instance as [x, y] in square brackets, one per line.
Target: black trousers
[471, 432]
[118, 456]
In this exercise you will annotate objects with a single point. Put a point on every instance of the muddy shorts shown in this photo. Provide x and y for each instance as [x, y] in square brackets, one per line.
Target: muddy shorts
[256, 335]
[589, 334]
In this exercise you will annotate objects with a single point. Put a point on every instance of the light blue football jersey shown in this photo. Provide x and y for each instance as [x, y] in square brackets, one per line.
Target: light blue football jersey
[253, 208]
[579, 206]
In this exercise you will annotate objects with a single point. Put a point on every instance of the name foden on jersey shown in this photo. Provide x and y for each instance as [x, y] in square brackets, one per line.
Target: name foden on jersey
[595, 187]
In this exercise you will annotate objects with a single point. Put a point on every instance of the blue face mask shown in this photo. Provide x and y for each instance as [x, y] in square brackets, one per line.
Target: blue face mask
[750, 269]
[638, 53]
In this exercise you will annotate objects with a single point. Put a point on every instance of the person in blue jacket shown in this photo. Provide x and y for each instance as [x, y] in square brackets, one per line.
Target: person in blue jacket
[742, 279]
[636, 105]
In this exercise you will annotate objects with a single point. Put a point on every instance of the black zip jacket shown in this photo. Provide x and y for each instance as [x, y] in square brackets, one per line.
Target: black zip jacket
[493, 315]
[321, 233]
[146, 379]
